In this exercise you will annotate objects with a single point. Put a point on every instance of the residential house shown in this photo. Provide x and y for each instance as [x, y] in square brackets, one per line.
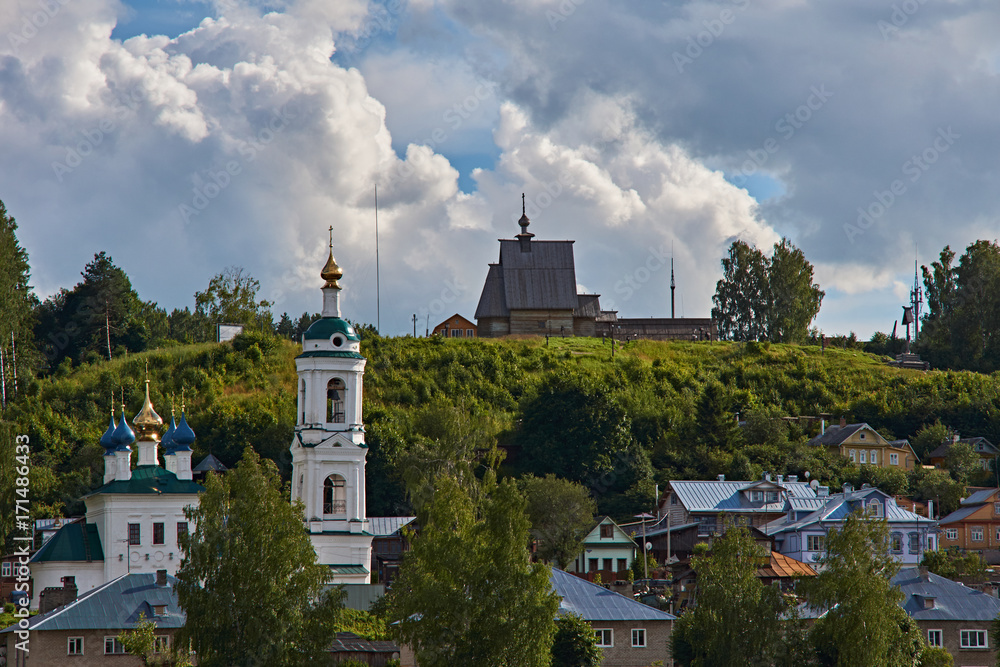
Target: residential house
[950, 615]
[864, 446]
[676, 543]
[607, 550]
[986, 450]
[975, 525]
[85, 630]
[802, 532]
[748, 503]
[388, 545]
[11, 566]
[456, 326]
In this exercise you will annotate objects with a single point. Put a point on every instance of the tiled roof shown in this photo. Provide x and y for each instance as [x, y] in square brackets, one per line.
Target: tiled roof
[384, 526]
[725, 496]
[781, 565]
[115, 605]
[952, 601]
[150, 479]
[77, 541]
[596, 603]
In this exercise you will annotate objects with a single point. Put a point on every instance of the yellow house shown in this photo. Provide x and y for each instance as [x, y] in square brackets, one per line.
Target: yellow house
[864, 446]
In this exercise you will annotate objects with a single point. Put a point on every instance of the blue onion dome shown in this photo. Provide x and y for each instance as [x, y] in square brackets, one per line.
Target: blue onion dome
[107, 440]
[123, 435]
[183, 436]
[168, 438]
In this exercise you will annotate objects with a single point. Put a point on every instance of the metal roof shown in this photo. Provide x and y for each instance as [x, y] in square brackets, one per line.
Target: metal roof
[325, 327]
[210, 462]
[348, 568]
[492, 302]
[115, 605]
[835, 435]
[941, 450]
[959, 514]
[726, 496]
[839, 505]
[780, 565]
[384, 526]
[542, 278]
[77, 541]
[596, 603]
[979, 497]
[150, 479]
[951, 600]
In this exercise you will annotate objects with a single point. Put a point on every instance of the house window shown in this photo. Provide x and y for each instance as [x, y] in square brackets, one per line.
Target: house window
[897, 543]
[893, 459]
[591, 565]
[470, 333]
[996, 508]
[998, 534]
[756, 496]
[706, 525]
[974, 639]
[638, 638]
[623, 564]
[772, 496]
[976, 533]
[157, 533]
[914, 545]
[5, 569]
[862, 436]
[605, 637]
[134, 535]
[864, 456]
[456, 333]
[112, 646]
[607, 531]
[873, 456]
[182, 529]
[935, 638]
[161, 643]
[815, 543]
[334, 495]
[951, 533]
[607, 564]
[74, 646]
[874, 507]
[336, 391]
[852, 454]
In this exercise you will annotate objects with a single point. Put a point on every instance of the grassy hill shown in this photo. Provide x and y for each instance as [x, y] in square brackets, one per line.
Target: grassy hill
[567, 407]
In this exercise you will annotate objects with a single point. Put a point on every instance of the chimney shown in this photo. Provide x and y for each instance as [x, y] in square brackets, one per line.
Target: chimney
[161, 578]
[792, 478]
[847, 488]
[956, 438]
[721, 478]
[822, 426]
[781, 478]
[930, 509]
[822, 491]
[925, 574]
[843, 422]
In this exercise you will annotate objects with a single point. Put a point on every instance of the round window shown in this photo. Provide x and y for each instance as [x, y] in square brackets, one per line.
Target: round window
[338, 341]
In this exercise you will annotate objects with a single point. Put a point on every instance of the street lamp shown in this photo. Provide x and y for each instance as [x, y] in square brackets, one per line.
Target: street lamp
[645, 545]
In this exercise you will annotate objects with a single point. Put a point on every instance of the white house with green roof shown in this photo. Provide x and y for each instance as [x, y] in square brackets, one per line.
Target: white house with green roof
[328, 447]
[133, 521]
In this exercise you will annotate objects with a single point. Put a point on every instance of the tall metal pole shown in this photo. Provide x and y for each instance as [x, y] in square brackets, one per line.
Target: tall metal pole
[414, 325]
[378, 287]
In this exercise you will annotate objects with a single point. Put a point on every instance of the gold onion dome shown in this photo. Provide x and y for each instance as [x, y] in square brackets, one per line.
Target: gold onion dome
[147, 422]
[332, 272]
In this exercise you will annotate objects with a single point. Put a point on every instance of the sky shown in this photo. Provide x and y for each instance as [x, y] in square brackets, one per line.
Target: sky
[184, 137]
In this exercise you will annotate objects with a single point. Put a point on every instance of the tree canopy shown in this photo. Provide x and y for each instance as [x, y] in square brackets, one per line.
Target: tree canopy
[249, 581]
[561, 513]
[231, 298]
[17, 301]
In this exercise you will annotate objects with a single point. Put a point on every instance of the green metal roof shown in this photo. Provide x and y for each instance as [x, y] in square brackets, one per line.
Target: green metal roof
[331, 353]
[325, 328]
[77, 541]
[115, 605]
[348, 569]
[150, 479]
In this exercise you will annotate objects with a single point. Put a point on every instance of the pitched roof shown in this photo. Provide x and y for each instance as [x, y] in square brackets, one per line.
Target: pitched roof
[839, 505]
[348, 642]
[952, 600]
[78, 541]
[150, 480]
[588, 305]
[959, 514]
[384, 526]
[596, 603]
[727, 496]
[835, 435]
[115, 605]
[979, 497]
[781, 565]
[210, 462]
[619, 536]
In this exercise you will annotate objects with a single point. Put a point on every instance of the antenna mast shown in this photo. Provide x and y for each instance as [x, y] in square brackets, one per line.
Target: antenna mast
[916, 300]
[673, 285]
[378, 309]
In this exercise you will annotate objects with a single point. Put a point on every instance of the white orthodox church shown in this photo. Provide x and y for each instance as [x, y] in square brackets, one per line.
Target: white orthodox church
[134, 520]
[328, 449]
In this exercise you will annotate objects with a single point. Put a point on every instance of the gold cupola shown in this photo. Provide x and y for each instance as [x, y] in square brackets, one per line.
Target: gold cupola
[331, 272]
[147, 423]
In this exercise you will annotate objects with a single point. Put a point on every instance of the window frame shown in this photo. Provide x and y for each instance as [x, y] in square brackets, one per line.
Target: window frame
[592, 564]
[852, 454]
[115, 644]
[874, 507]
[974, 531]
[913, 542]
[135, 535]
[936, 632]
[70, 645]
[607, 531]
[772, 497]
[893, 459]
[641, 633]
[896, 543]
[965, 635]
[470, 333]
[6, 569]
[598, 632]
[863, 457]
[756, 496]
[161, 644]
[996, 508]
[182, 529]
[873, 456]
[816, 541]
[335, 495]
[162, 533]
[951, 533]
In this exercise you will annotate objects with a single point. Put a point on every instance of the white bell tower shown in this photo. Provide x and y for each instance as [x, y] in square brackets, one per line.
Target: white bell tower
[328, 449]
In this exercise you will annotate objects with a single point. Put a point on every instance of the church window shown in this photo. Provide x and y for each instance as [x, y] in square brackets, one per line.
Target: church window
[133, 535]
[157, 533]
[334, 495]
[302, 401]
[335, 396]
[182, 529]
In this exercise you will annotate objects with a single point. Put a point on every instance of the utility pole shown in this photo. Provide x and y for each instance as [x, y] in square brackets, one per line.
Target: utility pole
[427, 327]
[414, 325]
[673, 285]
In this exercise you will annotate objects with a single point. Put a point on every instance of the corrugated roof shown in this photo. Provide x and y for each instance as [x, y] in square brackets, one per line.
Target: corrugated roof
[979, 497]
[951, 601]
[596, 603]
[115, 605]
[781, 565]
[839, 505]
[150, 479]
[383, 526]
[492, 302]
[726, 496]
[544, 278]
[77, 541]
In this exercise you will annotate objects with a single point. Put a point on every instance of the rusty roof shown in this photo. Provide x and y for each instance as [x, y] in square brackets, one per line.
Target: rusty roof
[781, 566]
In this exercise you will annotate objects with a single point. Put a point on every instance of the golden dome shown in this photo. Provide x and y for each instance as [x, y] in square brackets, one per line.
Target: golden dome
[147, 423]
[331, 273]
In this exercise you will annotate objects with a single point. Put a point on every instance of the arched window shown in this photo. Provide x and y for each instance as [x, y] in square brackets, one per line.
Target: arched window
[874, 507]
[302, 402]
[335, 397]
[334, 495]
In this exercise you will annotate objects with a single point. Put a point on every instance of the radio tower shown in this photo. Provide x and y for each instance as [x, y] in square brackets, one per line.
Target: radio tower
[916, 300]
